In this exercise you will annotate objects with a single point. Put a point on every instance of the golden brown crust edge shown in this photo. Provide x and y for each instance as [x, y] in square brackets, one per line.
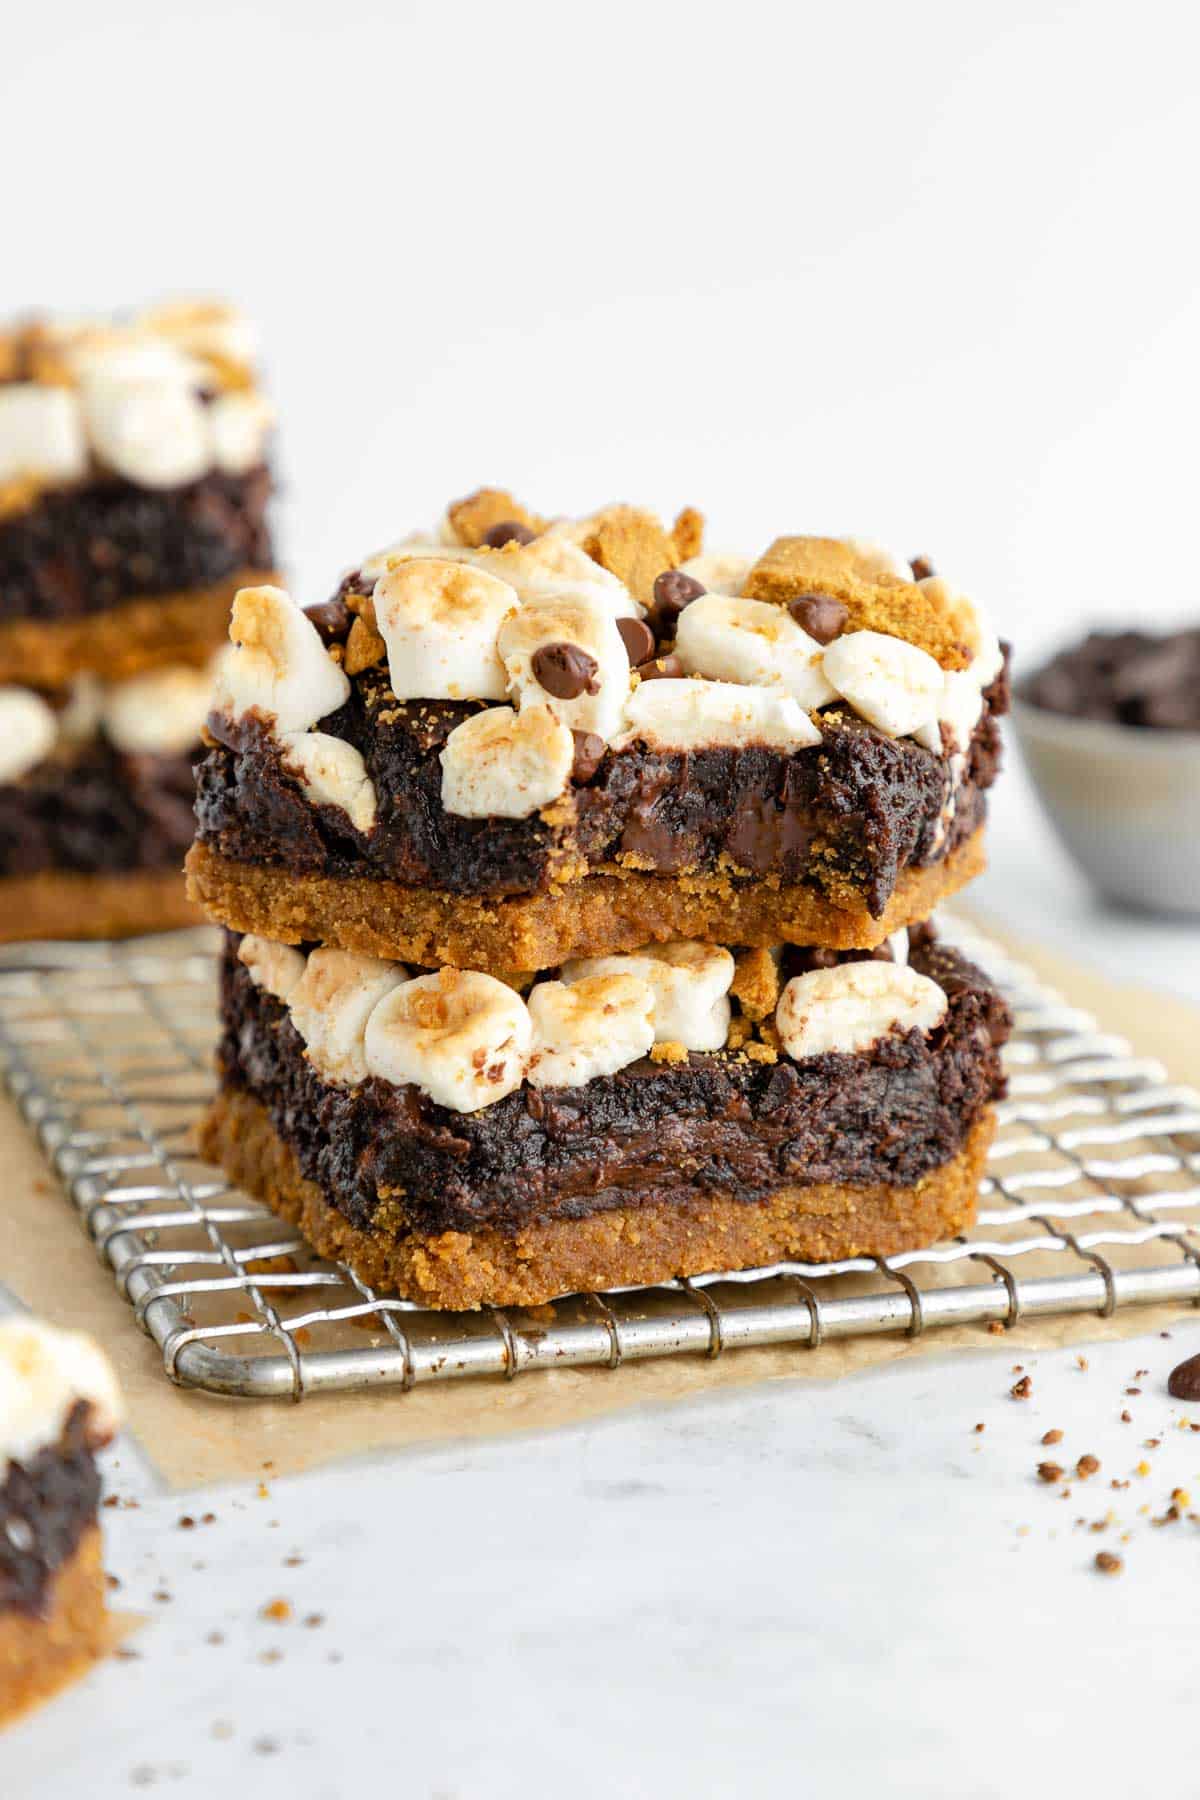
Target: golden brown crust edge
[40, 1655]
[66, 904]
[458, 1271]
[617, 909]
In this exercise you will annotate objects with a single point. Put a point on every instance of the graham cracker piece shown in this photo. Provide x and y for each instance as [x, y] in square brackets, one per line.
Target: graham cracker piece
[756, 983]
[364, 646]
[476, 514]
[632, 545]
[687, 534]
[669, 1052]
[931, 616]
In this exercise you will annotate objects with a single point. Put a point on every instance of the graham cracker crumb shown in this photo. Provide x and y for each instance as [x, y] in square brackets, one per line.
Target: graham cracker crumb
[364, 646]
[633, 546]
[762, 1053]
[670, 1052]
[476, 514]
[687, 534]
[756, 983]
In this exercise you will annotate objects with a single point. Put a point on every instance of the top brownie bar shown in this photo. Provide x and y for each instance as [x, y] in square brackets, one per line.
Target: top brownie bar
[133, 490]
[540, 739]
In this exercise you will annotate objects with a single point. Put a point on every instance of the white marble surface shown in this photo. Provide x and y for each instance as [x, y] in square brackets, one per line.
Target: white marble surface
[788, 1590]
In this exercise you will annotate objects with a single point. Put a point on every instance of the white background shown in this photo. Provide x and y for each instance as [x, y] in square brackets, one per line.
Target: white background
[925, 273]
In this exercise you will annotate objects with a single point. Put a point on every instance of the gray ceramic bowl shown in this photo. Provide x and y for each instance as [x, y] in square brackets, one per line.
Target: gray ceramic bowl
[1124, 800]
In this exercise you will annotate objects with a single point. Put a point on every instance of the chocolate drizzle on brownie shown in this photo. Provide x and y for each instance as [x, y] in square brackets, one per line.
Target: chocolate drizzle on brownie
[46, 1505]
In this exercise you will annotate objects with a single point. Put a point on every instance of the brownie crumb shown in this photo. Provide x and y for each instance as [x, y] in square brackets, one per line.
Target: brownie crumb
[1183, 1383]
[1108, 1563]
[1087, 1465]
[1021, 1390]
[1050, 1471]
[1053, 1436]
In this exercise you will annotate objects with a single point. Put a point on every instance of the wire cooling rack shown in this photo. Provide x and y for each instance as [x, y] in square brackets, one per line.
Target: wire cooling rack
[1092, 1202]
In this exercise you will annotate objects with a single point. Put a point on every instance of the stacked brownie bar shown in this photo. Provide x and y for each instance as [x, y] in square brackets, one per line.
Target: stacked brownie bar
[576, 884]
[58, 1405]
[133, 497]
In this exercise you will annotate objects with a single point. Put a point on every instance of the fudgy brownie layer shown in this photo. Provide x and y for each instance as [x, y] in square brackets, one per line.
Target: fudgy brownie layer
[620, 909]
[624, 1246]
[59, 904]
[655, 1133]
[85, 549]
[848, 814]
[95, 811]
[41, 1653]
[46, 1505]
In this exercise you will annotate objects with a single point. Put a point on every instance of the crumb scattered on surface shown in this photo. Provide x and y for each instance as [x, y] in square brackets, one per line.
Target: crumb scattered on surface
[1108, 1563]
[1053, 1436]
[1021, 1390]
[278, 1611]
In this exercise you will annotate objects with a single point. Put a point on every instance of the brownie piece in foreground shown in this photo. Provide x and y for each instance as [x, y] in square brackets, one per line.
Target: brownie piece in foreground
[517, 742]
[58, 1405]
[637, 1117]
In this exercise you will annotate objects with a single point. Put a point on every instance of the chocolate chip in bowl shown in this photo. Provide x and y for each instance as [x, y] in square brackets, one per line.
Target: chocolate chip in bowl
[1110, 730]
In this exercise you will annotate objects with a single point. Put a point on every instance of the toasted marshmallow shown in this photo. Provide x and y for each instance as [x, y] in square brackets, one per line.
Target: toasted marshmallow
[278, 664]
[850, 1007]
[553, 565]
[79, 719]
[718, 571]
[158, 713]
[750, 641]
[691, 986]
[203, 327]
[702, 715]
[551, 621]
[44, 1374]
[41, 433]
[899, 946]
[330, 1006]
[118, 355]
[504, 764]
[891, 683]
[439, 619]
[239, 424]
[960, 706]
[593, 1026]
[153, 430]
[463, 1038]
[332, 773]
[28, 731]
[872, 560]
[276, 968]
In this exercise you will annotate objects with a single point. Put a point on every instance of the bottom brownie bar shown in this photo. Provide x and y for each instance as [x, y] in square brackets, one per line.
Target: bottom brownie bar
[677, 1111]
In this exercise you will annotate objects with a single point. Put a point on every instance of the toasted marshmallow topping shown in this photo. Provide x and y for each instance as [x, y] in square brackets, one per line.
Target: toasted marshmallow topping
[754, 642]
[568, 655]
[28, 731]
[439, 620]
[899, 946]
[239, 425]
[504, 764]
[463, 1038]
[690, 983]
[41, 433]
[330, 1006]
[850, 1007]
[891, 683]
[276, 968]
[278, 665]
[151, 429]
[160, 712]
[552, 566]
[332, 773]
[593, 1026]
[204, 328]
[873, 560]
[701, 715]
[719, 571]
[44, 1373]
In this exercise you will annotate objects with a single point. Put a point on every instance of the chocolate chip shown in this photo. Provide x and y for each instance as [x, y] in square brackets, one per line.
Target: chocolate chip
[1183, 1383]
[820, 615]
[589, 754]
[508, 531]
[332, 619]
[667, 668]
[638, 640]
[673, 590]
[565, 670]
[921, 567]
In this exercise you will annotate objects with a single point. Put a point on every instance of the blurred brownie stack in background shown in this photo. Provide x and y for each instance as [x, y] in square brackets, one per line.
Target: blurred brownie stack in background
[133, 505]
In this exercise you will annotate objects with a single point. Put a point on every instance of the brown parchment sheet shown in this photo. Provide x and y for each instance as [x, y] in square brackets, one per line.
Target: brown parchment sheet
[194, 1439]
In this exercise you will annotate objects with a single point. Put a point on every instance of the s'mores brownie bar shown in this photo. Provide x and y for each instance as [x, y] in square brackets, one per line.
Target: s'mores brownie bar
[623, 1119]
[59, 1404]
[133, 496]
[514, 741]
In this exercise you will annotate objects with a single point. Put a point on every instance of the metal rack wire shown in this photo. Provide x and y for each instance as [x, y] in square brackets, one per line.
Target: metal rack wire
[1092, 1202]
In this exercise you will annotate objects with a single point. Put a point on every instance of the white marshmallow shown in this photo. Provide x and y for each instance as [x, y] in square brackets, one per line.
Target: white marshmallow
[591, 1027]
[558, 621]
[28, 731]
[718, 571]
[553, 567]
[873, 560]
[44, 1373]
[159, 713]
[960, 706]
[239, 424]
[203, 327]
[439, 620]
[892, 684]
[332, 773]
[41, 433]
[691, 986]
[79, 719]
[699, 715]
[330, 1006]
[899, 946]
[276, 968]
[850, 1007]
[111, 354]
[750, 641]
[278, 665]
[153, 430]
[461, 1037]
[504, 764]
[418, 547]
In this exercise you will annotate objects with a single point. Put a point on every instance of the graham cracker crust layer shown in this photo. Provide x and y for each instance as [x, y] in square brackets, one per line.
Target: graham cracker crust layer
[66, 904]
[458, 1271]
[183, 627]
[40, 1655]
[617, 909]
